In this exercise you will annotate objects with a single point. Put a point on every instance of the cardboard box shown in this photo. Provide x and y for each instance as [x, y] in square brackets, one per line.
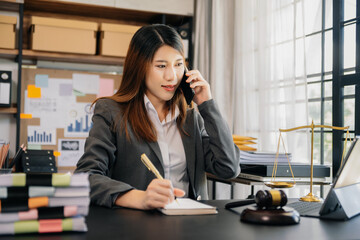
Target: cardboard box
[115, 39]
[7, 30]
[60, 35]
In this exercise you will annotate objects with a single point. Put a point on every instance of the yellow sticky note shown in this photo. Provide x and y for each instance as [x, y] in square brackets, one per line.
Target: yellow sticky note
[33, 91]
[56, 153]
[25, 115]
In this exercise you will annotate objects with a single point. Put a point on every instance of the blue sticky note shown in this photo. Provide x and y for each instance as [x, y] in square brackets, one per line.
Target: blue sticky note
[42, 80]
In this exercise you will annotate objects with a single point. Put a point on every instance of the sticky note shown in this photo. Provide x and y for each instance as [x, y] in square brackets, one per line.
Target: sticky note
[106, 87]
[33, 91]
[34, 146]
[42, 80]
[56, 153]
[25, 115]
[65, 89]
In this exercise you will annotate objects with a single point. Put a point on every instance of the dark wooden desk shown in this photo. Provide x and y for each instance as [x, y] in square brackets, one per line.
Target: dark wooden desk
[123, 224]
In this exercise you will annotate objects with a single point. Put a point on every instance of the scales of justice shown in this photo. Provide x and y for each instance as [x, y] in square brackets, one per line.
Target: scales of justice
[310, 197]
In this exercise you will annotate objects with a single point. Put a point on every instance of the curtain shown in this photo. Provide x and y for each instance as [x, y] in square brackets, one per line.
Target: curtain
[252, 52]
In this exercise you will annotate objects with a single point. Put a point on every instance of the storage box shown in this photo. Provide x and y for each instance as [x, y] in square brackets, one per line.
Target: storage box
[115, 39]
[60, 35]
[7, 30]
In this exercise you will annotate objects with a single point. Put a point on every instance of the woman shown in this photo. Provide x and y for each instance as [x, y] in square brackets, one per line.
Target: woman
[148, 114]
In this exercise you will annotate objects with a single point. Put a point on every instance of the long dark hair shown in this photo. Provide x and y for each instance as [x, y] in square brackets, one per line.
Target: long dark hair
[145, 42]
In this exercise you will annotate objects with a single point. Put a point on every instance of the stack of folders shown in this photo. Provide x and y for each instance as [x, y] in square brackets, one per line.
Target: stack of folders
[263, 157]
[243, 142]
[43, 203]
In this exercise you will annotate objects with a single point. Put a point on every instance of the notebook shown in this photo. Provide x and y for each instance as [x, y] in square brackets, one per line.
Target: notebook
[187, 206]
[342, 202]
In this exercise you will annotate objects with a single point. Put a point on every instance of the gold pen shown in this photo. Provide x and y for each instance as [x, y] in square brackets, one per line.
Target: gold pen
[146, 161]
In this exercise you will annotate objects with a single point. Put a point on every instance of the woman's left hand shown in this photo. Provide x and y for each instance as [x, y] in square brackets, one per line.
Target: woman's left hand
[200, 86]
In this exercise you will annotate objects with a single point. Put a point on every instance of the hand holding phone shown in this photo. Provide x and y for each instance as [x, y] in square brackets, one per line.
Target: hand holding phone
[188, 92]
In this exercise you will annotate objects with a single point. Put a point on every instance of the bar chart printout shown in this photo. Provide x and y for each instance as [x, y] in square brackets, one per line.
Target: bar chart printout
[83, 125]
[38, 135]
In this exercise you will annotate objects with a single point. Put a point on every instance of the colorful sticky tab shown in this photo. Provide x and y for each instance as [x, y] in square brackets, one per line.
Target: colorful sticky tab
[67, 224]
[61, 180]
[57, 154]
[37, 202]
[19, 179]
[50, 225]
[33, 91]
[70, 211]
[26, 226]
[25, 115]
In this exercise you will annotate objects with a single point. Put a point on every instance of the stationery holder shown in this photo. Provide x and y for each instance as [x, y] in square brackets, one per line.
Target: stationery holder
[38, 161]
[5, 88]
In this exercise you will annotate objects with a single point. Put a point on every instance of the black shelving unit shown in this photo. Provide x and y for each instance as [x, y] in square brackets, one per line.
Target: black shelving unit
[19, 61]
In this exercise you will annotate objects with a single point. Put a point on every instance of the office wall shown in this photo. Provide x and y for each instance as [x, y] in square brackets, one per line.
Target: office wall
[183, 7]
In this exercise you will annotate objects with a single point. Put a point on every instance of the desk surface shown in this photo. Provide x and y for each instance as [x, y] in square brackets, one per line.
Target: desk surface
[104, 223]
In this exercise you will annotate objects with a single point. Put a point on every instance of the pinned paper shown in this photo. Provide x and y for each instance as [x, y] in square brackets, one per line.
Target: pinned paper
[42, 80]
[25, 115]
[33, 91]
[106, 87]
[71, 151]
[86, 83]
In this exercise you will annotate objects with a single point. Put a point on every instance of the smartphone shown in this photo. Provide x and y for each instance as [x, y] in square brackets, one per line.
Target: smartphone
[188, 92]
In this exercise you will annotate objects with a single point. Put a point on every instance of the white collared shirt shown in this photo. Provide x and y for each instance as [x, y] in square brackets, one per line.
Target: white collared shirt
[171, 146]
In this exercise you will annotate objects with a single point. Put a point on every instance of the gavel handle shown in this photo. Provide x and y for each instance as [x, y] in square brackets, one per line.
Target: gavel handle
[239, 203]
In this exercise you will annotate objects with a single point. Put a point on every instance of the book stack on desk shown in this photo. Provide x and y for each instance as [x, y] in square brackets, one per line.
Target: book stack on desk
[43, 203]
[263, 157]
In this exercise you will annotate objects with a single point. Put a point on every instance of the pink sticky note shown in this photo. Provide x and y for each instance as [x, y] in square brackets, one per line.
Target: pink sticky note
[106, 87]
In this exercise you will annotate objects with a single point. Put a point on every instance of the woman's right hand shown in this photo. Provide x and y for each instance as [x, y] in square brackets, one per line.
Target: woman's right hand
[160, 193]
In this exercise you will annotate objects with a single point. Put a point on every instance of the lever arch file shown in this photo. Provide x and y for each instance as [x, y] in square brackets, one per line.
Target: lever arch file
[5, 88]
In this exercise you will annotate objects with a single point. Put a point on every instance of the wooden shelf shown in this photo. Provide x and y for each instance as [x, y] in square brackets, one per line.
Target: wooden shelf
[70, 57]
[86, 12]
[103, 12]
[10, 5]
[8, 110]
[8, 53]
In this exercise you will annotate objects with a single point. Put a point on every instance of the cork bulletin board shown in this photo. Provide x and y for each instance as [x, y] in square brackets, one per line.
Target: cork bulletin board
[56, 113]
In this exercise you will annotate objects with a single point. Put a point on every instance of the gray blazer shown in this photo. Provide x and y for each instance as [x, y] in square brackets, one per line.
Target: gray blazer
[114, 163]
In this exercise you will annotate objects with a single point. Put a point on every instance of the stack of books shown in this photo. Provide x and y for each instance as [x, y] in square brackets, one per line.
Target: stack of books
[242, 142]
[263, 157]
[43, 203]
